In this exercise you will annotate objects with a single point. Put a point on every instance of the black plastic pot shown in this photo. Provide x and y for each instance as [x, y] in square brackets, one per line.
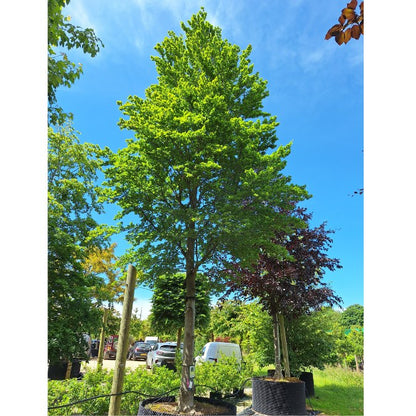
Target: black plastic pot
[278, 397]
[57, 371]
[231, 408]
[307, 377]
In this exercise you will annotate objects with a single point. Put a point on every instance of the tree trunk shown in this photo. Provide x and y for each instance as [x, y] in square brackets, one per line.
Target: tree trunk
[284, 345]
[276, 339]
[187, 390]
[68, 370]
[357, 365]
[102, 340]
[178, 356]
[186, 396]
[178, 339]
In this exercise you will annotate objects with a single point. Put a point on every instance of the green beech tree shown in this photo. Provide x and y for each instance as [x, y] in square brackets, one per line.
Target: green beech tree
[197, 174]
[72, 201]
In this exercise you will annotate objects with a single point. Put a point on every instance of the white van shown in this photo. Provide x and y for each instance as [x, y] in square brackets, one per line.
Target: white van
[152, 340]
[213, 351]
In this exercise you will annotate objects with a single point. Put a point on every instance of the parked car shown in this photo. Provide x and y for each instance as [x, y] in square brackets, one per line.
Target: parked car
[110, 348]
[163, 354]
[212, 351]
[95, 346]
[139, 350]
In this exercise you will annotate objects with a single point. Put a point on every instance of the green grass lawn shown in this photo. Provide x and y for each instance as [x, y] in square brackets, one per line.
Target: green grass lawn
[338, 391]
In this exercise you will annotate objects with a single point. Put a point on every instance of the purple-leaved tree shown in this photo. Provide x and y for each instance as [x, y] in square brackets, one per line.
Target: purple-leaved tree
[290, 287]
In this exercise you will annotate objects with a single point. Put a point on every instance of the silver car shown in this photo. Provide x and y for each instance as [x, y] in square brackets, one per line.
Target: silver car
[163, 353]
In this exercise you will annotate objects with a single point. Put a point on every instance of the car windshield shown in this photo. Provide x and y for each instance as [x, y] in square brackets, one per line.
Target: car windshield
[167, 347]
[142, 345]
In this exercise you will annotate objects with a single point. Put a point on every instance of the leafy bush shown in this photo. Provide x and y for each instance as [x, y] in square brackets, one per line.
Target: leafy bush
[156, 383]
[99, 382]
[94, 383]
[224, 376]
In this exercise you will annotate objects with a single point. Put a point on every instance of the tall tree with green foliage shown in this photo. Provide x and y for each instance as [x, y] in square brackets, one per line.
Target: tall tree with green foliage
[61, 71]
[198, 174]
[168, 303]
[72, 202]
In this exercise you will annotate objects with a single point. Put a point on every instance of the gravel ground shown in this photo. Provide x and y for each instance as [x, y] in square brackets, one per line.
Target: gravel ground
[109, 364]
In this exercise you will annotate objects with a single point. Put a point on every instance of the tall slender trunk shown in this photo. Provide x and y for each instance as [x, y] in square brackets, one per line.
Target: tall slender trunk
[357, 365]
[178, 338]
[285, 352]
[68, 370]
[178, 355]
[187, 390]
[276, 340]
[102, 340]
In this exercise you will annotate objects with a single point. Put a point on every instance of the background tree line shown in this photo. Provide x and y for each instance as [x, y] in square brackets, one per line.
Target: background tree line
[323, 337]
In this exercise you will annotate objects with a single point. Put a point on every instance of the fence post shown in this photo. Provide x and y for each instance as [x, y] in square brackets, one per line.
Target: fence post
[123, 343]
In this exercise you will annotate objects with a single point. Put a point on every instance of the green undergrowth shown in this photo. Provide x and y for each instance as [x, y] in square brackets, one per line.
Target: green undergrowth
[223, 377]
[338, 391]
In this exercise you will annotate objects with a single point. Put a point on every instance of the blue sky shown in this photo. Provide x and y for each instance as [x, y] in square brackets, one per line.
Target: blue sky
[316, 92]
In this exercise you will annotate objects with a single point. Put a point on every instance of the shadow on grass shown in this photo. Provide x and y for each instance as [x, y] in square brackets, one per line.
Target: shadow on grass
[333, 399]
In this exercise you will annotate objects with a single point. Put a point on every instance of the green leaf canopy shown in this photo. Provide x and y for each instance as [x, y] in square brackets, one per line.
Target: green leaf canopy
[197, 175]
[72, 202]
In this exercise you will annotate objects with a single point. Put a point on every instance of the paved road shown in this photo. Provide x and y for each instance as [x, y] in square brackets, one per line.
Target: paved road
[109, 364]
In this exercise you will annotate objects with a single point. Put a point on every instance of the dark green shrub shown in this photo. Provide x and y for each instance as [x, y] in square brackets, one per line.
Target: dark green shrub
[224, 376]
[96, 383]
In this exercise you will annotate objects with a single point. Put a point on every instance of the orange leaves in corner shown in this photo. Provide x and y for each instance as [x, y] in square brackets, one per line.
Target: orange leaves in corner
[351, 24]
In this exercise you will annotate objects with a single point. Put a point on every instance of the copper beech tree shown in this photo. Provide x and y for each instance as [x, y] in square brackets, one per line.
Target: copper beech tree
[350, 24]
[290, 287]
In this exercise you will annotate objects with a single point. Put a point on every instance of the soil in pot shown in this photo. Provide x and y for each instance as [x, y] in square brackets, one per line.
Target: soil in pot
[279, 397]
[203, 407]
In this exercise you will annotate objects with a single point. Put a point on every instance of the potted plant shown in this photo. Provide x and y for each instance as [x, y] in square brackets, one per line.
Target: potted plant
[203, 405]
[287, 287]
